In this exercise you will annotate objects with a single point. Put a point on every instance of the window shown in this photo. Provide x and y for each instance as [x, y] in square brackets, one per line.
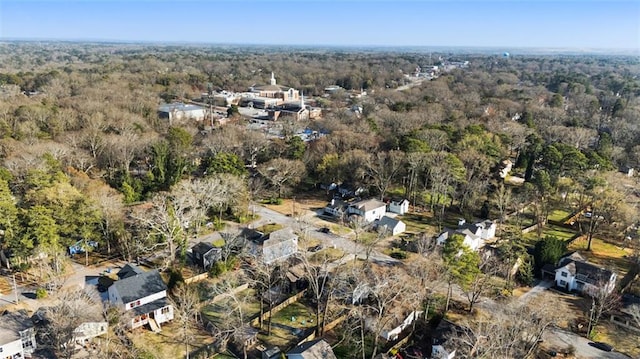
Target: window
[27, 344]
[137, 303]
[165, 310]
[132, 304]
[564, 274]
[563, 282]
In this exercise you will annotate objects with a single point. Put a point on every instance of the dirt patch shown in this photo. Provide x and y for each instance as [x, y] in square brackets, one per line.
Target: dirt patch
[298, 206]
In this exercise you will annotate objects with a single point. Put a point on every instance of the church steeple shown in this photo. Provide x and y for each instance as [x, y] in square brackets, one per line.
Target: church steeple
[273, 79]
[302, 100]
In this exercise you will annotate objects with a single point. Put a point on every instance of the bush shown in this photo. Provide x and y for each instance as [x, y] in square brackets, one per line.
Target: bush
[41, 293]
[398, 254]
[217, 269]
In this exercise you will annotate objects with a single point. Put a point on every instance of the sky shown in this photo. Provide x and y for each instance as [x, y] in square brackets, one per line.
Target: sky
[574, 24]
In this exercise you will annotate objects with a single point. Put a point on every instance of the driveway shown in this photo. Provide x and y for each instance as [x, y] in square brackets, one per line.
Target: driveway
[539, 288]
[558, 339]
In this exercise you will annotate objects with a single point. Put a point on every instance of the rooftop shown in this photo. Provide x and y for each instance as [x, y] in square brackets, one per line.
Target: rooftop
[11, 324]
[178, 106]
[369, 204]
[139, 285]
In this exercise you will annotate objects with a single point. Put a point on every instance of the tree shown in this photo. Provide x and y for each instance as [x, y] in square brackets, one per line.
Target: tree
[186, 307]
[281, 171]
[481, 283]
[502, 197]
[9, 225]
[549, 250]
[461, 263]
[383, 167]
[604, 299]
[511, 330]
[71, 309]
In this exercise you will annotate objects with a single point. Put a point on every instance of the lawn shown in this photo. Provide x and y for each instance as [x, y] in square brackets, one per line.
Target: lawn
[250, 306]
[624, 341]
[604, 254]
[559, 232]
[165, 345]
[425, 222]
[288, 324]
[558, 215]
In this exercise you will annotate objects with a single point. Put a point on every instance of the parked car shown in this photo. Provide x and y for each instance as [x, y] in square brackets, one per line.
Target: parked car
[315, 248]
[602, 346]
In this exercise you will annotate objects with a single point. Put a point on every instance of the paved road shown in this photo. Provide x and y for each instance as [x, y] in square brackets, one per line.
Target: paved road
[558, 339]
[305, 224]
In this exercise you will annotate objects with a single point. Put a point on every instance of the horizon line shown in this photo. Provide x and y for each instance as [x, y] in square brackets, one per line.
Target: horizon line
[555, 49]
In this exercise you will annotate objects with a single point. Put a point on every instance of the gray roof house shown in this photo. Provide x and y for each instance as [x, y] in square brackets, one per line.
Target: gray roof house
[205, 254]
[393, 226]
[370, 209]
[281, 244]
[574, 273]
[315, 349]
[143, 294]
[17, 335]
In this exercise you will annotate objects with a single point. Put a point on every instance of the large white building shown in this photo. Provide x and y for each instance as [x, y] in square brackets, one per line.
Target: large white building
[179, 111]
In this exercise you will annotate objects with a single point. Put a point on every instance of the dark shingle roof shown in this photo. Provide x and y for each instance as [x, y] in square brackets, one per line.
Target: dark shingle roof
[583, 270]
[315, 349]
[150, 307]
[202, 248]
[139, 286]
[129, 270]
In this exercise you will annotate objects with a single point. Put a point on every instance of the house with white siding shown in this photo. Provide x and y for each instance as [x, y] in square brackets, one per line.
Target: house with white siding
[143, 295]
[17, 336]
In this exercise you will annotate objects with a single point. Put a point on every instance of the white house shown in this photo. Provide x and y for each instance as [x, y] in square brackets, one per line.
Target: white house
[143, 295]
[336, 208]
[180, 111]
[314, 349]
[399, 206]
[17, 336]
[392, 225]
[475, 235]
[281, 244]
[370, 209]
[574, 273]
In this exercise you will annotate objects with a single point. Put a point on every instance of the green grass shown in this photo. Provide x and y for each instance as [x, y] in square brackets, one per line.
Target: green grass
[604, 254]
[250, 306]
[561, 233]
[269, 228]
[558, 215]
[284, 337]
[218, 243]
[330, 254]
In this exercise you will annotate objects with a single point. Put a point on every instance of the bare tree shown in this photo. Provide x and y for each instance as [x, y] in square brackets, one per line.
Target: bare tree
[186, 307]
[72, 309]
[604, 298]
[281, 171]
[383, 167]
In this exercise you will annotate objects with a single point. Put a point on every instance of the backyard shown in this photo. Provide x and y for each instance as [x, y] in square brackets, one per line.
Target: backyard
[289, 324]
[605, 254]
[166, 344]
[220, 310]
[562, 233]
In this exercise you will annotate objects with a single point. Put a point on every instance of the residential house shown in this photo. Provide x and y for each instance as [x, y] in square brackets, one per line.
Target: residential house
[280, 245]
[370, 209]
[92, 324]
[314, 349]
[574, 273]
[205, 255]
[474, 235]
[393, 226]
[336, 208]
[180, 111]
[143, 295]
[17, 336]
[399, 205]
